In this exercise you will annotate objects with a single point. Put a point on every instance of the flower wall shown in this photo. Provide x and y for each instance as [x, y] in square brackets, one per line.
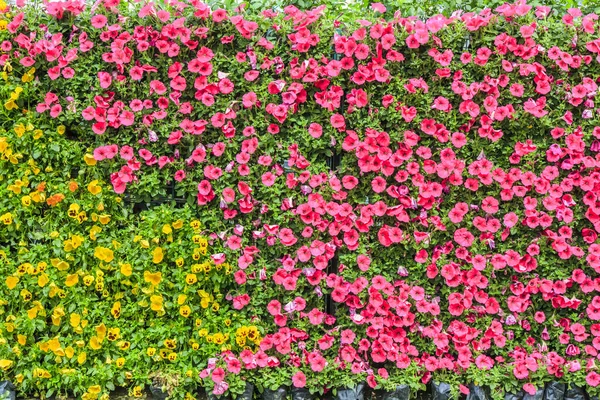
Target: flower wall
[285, 198]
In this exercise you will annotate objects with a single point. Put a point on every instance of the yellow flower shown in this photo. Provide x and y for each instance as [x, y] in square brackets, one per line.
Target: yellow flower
[73, 210]
[11, 282]
[59, 264]
[166, 229]
[113, 334]
[156, 303]
[72, 280]
[157, 255]
[26, 201]
[204, 302]
[6, 218]
[190, 279]
[6, 364]
[151, 351]
[88, 280]
[81, 217]
[116, 310]
[10, 105]
[195, 224]
[74, 320]
[104, 254]
[178, 224]
[61, 129]
[153, 279]
[219, 338]
[120, 362]
[185, 311]
[95, 343]
[137, 392]
[43, 280]
[73, 243]
[89, 160]
[94, 231]
[126, 269]
[94, 188]
[19, 130]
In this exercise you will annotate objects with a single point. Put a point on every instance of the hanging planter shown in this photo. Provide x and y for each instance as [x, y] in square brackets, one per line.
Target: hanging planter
[401, 392]
[278, 394]
[477, 393]
[440, 391]
[211, 396]
[355, 393]
[539, 395]
[158, 393]
[575, 392]
[7, 391]
[555, 391]
[247, 393]
[514, 396]
[301, 394]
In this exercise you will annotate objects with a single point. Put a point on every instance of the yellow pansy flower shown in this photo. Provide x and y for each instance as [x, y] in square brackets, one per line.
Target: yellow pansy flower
[153, 278]
[185, 311]
[6, 218]
[94, 188]
[89, 160]
[11, 282]
[104, 254]
[126, 269]
[72, 280]
[157, 255]
[6, 364]
[94, 230]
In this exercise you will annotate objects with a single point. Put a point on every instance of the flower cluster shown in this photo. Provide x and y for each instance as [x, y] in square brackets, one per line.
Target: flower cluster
[389, 200]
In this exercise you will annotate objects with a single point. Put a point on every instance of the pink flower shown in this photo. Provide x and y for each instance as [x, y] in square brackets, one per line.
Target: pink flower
[180, 175]
[593, 378]
[218, 375]
[315, 130]
[338, 121]
[378, 7]
[98, 21]
[529, 388]
[299, 379]
[412, 42]
[363, 262]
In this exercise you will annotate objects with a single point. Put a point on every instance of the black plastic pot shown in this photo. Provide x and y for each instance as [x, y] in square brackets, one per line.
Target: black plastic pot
[440, 391]
[514, 396]
[554, 391]
[477, 393]
[301, 394]
[355, 393]
[278, 394]
[248, 392]
[7, 390]
[211, 396]
[575, 392]
[402, 392]
[539, 395]
[157, 393]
